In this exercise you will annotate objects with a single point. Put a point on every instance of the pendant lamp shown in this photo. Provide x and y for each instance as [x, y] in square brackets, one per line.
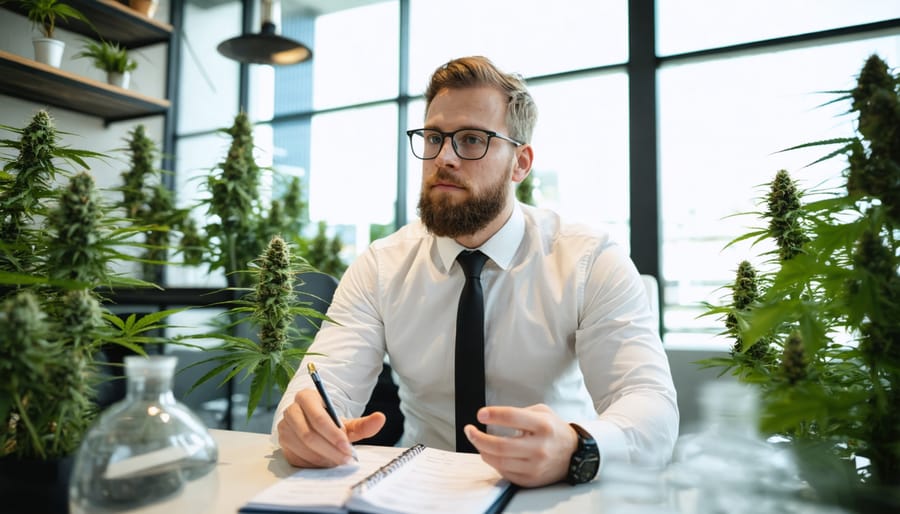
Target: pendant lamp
[266, 47]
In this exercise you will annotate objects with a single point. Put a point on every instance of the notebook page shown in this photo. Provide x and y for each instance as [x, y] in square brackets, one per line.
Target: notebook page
[321, 490]
[435, 481]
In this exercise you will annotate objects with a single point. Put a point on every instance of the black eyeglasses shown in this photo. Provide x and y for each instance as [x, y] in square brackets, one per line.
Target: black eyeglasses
[469, 144]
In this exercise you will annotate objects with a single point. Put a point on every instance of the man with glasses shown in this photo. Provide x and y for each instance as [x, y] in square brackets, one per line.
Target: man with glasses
[572, 372]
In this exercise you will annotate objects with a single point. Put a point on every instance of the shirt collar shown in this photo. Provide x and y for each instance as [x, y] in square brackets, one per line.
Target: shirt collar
[501, 247]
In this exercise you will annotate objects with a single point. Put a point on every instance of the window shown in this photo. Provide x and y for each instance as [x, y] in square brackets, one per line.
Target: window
[530, 37]
[208, 86]
[353, 172]
[722, 123]
[690, 25]
[338, 121]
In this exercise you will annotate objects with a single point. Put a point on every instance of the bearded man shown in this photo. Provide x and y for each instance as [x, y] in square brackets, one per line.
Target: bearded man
[510, 332]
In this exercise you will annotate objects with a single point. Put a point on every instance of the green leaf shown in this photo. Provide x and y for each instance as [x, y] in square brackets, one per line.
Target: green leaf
[765, 319]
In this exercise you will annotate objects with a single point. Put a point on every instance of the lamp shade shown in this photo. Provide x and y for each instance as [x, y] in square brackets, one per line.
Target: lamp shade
[266, 47]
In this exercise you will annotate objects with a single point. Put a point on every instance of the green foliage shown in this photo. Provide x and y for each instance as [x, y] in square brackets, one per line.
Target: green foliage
[271, 308]
[525, 190]
[234, 205]
[323, 252]
[819, 334]
[44, 14]
[242, 226]
[107, 56]
[152, 206]
[58, 245]
[26, 188]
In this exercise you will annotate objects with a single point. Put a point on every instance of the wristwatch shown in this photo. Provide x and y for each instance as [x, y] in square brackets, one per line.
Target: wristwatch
[586, 459]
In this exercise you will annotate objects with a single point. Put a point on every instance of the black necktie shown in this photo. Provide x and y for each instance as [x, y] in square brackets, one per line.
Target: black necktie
[469, 348]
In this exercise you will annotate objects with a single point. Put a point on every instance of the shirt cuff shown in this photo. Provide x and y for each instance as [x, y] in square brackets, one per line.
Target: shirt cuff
[611, 441]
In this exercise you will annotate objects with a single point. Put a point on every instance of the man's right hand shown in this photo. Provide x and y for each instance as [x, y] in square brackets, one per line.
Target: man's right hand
[310, 439]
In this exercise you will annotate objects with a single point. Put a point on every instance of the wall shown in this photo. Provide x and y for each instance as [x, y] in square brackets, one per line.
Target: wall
[87, 132]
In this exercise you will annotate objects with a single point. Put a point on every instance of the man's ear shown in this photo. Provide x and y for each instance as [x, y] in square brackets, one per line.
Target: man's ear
[522, 166]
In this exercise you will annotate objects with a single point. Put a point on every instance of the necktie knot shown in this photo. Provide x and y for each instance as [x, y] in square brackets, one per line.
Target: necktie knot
[472, 263]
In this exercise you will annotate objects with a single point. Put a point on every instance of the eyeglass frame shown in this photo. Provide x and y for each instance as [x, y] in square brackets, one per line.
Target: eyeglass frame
[444, 135]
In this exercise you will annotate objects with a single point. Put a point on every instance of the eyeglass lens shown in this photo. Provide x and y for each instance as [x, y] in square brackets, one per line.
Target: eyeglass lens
[468, 143]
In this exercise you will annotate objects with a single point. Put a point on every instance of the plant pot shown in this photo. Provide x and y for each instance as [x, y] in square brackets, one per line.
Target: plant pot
[145, 7]
[35, 485]
[118, 79]
[48, 51]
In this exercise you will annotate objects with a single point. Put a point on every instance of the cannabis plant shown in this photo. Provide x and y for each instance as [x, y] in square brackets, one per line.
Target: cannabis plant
[234, 205]
[57, 248]
[819, 332]
[271, 307]
[241, 225]
[147, 201]
[323, 252]
[27, 185]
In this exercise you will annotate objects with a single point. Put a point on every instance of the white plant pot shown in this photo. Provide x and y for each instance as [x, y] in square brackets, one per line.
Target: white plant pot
[118, 79]
[48, 51]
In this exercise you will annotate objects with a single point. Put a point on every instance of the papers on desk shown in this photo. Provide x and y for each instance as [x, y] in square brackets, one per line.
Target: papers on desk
[391, 481]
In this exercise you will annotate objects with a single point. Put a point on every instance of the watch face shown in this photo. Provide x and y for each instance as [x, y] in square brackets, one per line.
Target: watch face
[587, 469]
[586, 459]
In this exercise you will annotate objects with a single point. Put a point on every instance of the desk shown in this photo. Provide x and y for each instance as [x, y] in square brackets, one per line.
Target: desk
[248, 464]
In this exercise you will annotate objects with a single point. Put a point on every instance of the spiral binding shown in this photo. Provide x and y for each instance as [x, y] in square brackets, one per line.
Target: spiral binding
[379, 474]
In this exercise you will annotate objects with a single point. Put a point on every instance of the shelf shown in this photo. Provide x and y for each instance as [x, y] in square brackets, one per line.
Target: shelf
[114, 21]
[31, 80]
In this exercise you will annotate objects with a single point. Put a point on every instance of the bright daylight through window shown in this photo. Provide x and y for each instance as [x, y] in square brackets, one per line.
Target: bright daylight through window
[339, 121]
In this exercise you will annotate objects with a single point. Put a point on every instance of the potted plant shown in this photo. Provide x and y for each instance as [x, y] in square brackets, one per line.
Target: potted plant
[111, 58]
[57, 247]
[44, 15]
[816, 327]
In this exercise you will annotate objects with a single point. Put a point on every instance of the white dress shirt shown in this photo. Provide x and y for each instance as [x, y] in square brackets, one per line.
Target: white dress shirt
[567, 324]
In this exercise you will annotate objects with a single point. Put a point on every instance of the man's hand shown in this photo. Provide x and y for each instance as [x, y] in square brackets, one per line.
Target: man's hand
[537, 455]
[310, 439]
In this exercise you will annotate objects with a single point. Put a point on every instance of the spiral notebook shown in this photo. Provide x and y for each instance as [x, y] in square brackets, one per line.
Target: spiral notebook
[391, 481]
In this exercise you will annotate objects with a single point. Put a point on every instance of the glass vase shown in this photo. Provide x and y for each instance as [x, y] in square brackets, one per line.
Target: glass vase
[142, 449]
[726, 465]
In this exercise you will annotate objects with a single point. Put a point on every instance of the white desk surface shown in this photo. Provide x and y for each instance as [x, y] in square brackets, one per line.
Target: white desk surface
[248, 463]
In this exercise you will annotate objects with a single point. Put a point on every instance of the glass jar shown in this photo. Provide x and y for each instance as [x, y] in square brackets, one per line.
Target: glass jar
[726, 465]
[142, 449]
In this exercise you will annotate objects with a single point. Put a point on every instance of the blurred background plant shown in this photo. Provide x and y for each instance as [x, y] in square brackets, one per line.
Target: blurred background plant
[242, 225]
[816, 327]
[107, 56]
[151, 205]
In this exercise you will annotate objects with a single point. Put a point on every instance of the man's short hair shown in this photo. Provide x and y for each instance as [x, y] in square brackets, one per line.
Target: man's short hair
[478, 71]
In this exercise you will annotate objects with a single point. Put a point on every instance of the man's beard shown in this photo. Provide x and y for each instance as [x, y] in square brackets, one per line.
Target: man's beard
[444, 218]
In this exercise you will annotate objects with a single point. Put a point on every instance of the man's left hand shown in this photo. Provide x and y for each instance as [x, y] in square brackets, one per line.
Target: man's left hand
[537, 455]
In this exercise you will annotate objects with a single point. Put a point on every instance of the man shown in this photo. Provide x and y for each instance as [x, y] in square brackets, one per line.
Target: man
[573, 368]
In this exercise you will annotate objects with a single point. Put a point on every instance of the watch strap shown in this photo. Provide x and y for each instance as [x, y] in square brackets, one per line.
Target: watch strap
[585, 461]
